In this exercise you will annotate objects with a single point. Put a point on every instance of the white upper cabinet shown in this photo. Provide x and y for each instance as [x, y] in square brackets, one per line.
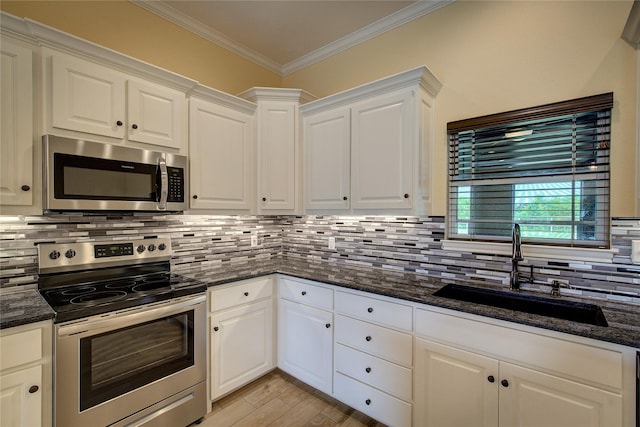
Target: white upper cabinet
[16, 125]
[327, 160]
[221, 155]
[368, 149]
[90, 98]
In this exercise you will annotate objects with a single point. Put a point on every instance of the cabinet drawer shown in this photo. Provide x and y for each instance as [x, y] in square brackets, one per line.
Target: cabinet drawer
[374, 310]
[20, 348]
[386, 376]
[378, 405]
[377, 340]
[305, 293]
[240, 293]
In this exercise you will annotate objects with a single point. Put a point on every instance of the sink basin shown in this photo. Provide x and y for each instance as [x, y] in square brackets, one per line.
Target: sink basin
[561, 309]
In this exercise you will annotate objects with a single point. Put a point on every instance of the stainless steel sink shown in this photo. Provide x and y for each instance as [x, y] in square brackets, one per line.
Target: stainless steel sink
[561, 309]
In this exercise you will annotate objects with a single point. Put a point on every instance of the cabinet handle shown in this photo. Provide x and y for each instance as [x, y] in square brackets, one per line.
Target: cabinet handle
[370, 309]
[504, 383]
[246, 294]
[135, 126]
[195, 196]
[368, 338]
[119, 123]
[367, 402]
[328, 325]
[345, 198]
[264, 199]
[33, 389]
[368, 370]
[216, 329]
[406, 195]
[25, 188]
[303, 293]
[491, 379]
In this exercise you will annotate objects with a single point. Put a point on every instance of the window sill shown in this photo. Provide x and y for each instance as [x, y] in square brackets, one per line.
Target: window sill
[533, 251]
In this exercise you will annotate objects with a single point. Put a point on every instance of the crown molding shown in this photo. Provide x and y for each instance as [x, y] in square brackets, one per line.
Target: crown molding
[401, 17]
[631, 31]
[172, 14]
[257, 94]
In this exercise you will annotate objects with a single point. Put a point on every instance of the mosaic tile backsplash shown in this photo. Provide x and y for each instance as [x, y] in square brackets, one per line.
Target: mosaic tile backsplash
[205, 244]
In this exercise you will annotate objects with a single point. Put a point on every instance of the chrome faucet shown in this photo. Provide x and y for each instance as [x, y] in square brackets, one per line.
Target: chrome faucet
[516, 255]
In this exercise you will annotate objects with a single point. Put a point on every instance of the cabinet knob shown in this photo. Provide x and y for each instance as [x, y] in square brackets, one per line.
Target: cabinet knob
[303, 293]
[328, 325]
[406, 195]
[491, 379]
[370, 309]
[246, 294]
[345, 198]
[33, 389]
[25, 188]
[368, 370]
[216, 329]
[504, 383]
[119, 123]
[195, 196]
[367, 402]
[368, 338]
[264, 199]
[135, 126]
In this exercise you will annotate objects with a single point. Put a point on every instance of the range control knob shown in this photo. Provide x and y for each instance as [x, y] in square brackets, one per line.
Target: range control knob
[152, 247]
[70, 253]
[162, 246]
[54, 254]
[140, 249]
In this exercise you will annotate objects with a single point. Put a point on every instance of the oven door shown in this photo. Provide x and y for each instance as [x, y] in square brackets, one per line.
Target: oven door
[108, 369]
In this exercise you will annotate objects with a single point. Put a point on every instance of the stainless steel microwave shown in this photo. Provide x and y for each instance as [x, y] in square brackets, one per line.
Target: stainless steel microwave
[91, 176]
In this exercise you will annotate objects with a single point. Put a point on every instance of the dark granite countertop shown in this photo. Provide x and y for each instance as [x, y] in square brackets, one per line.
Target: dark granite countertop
[623, 319]
[22, 306]
[27, 306]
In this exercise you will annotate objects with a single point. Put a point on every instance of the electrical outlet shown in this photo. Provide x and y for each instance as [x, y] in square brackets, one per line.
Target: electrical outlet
[332, 242]
[254, 240]
[635, 251]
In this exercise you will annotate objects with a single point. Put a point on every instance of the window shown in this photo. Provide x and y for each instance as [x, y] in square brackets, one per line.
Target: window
[545, 168]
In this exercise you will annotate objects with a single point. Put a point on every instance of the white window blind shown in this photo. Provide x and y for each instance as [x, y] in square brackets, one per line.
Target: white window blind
[545, 168]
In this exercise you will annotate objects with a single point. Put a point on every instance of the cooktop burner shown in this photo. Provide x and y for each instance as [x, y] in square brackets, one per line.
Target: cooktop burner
[101, 278]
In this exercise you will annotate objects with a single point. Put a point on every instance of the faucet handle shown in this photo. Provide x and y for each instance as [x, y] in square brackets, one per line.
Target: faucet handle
[555, 289]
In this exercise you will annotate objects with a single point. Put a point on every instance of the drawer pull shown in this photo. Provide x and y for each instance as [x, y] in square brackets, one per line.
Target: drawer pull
[504, 383]
[370, 309]
[33, 389]
[491, 379]
[367, 402]
[246, 294]
[25, 188]
[368, 338]
[216, 329]
[328, 325]
[304, 293]
[368, 370]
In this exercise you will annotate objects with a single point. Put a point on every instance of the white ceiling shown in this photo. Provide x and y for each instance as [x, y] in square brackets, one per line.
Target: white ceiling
[285, 36]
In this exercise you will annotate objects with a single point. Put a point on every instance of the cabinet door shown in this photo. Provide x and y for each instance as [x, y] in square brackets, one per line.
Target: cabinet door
[221, 153]
[530, 398]
[276, 156]
[156, 114]
[454, 388]
[16, 125]
[305, 344]
[87, 97]
[327, 154]
[20, 405]
[241, 346]
[382, 148]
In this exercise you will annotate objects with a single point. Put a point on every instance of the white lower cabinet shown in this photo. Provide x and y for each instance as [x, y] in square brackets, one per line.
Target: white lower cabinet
[305, 343]
[25, 375]
[241, 334]
[462, 387]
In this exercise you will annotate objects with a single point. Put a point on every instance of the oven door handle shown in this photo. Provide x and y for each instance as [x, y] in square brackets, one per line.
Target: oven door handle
[121, 319]
[164, 184]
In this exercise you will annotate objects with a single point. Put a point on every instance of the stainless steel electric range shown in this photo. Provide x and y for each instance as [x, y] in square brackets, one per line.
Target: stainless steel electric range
[130, 337]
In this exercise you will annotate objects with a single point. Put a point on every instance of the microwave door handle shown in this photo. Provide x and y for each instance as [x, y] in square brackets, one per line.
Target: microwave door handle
[164, 184]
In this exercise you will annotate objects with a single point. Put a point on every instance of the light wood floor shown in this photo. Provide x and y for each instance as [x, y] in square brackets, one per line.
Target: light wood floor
[279, 400]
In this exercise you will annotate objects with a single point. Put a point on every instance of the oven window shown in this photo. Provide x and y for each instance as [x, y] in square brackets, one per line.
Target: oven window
[116, 362]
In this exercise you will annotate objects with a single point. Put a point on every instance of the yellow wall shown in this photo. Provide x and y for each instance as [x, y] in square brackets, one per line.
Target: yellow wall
[130, 29]
[499, 56]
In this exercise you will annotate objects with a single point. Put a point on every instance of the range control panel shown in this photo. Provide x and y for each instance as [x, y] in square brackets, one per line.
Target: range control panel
[57, 257]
